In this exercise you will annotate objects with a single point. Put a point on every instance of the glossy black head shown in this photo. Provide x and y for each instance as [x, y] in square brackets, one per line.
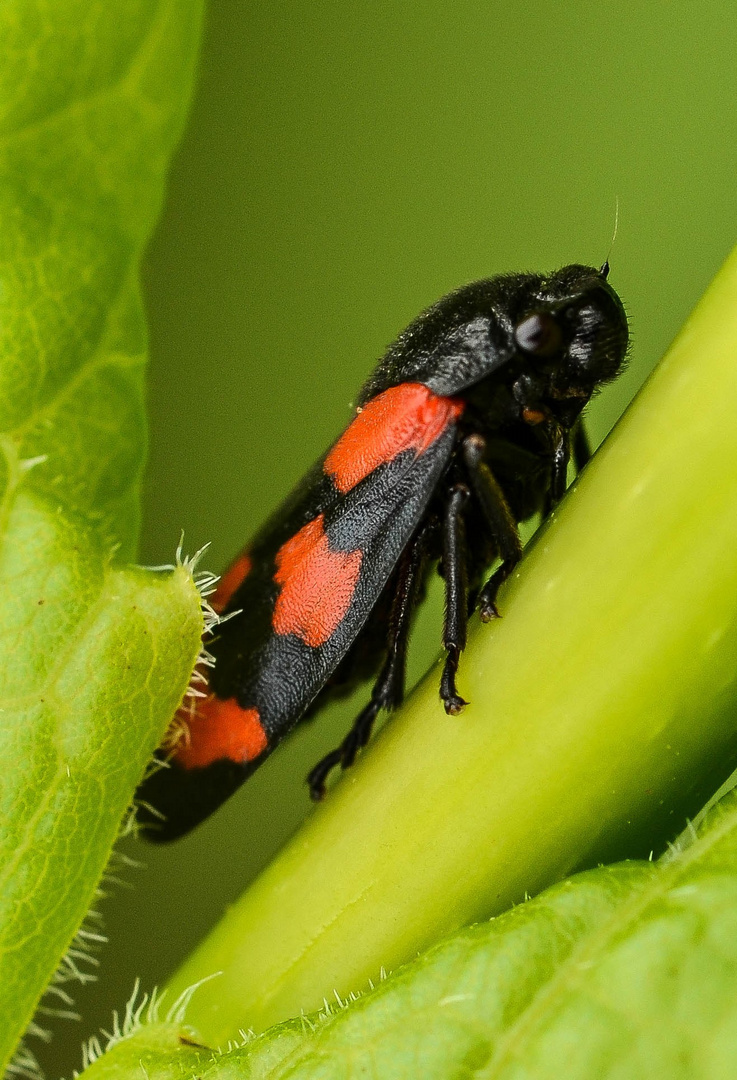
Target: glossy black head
[573, 331]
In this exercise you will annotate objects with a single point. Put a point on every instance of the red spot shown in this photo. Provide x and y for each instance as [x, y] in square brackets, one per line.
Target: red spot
[317, 584]
[233, 577]
[219, 729]
[404, 417]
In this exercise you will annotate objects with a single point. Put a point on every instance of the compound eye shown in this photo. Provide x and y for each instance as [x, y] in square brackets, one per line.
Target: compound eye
[539, 334]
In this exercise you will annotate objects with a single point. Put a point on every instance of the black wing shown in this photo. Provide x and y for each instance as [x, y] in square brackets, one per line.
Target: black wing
[314, 573]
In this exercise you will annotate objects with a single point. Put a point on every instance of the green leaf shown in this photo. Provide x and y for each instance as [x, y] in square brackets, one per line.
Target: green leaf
[93, 658]
[627, 972]
[602, 715]
[161, 1050]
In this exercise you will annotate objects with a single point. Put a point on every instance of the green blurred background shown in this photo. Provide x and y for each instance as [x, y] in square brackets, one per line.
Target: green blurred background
[345, 165]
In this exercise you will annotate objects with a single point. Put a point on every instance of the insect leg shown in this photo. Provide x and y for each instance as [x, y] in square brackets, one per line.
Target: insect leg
[561, 457]
[581, 456]
[456, 596]
[388, 690]
[499, 517]
[581, 446]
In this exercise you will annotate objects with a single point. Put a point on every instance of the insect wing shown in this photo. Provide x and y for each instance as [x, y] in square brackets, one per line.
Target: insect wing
[299, 599]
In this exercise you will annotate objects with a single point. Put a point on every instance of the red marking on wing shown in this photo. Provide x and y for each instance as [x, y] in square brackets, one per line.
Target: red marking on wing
[317, 584]
[220, 729]
[233, 577]
[404, 417]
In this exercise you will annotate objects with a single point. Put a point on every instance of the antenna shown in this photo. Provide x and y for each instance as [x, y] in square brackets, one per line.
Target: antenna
[604, 270]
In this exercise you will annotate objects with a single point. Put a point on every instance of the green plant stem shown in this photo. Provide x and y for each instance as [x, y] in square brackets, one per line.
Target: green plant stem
[603, 712]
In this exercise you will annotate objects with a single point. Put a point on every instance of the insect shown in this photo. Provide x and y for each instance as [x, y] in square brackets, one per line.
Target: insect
[464, 429]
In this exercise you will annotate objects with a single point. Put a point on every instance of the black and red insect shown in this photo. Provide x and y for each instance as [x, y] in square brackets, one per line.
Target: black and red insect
[464, 429]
